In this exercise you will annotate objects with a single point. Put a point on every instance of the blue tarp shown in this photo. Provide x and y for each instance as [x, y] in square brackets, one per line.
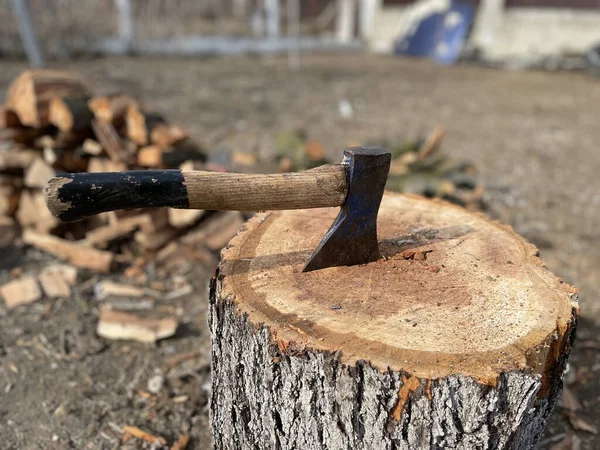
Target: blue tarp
[439, 36]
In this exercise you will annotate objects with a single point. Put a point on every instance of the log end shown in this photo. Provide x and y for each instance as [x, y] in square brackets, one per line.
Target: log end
[454, 292]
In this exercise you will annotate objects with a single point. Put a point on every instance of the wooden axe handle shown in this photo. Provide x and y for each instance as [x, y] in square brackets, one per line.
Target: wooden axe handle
[75, 196]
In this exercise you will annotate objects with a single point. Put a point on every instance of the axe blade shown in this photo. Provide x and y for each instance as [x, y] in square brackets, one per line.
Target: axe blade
[352, 238]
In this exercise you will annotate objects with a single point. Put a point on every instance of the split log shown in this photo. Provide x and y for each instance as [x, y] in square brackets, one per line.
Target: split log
[112, 109]
[38, 174]
[25, 136]
[183, 218]
[156, 156]
[76, 254]
[216, 230]
[121, 325]
[29, 95]
[100, 237]
[9, 118]
[9, 199]
[97, 165]
[33, 212]
[8, 231]
[109, 139]
[91, 147]
[164, 135]
[20, 292]
[57, 279]
[16, 158]
[70, 113]
[140, 124]
[155, 240]
[457, 338]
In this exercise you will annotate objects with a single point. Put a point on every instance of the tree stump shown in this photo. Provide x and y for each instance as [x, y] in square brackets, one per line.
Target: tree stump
[456, 339]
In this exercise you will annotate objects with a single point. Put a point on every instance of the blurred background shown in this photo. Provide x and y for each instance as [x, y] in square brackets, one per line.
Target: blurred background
[489, 104]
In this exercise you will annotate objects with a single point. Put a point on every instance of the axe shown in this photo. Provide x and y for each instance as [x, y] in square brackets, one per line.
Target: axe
[357, 185]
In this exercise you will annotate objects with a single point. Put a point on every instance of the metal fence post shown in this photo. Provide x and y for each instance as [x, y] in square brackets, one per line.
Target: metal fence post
[27, 33]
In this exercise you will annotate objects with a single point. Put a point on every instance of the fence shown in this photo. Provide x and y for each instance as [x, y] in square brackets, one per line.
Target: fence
[66, 28]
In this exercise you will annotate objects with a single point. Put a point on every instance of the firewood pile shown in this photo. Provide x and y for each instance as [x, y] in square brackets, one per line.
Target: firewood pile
[54, 122]
[418, 166]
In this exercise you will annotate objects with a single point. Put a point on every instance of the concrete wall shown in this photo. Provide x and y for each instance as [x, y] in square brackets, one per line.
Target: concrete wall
[537, 33]
[500, 33]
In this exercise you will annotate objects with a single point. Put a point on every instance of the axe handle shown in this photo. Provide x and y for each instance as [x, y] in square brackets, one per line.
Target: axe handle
[75, 196]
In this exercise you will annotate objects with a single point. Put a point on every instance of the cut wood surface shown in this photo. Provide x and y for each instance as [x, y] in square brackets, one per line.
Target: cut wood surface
[22, 291]
[121, 325]
[29, 95]
[456, 338]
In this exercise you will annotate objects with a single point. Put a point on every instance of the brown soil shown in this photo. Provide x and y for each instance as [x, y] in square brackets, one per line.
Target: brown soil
[533, 136]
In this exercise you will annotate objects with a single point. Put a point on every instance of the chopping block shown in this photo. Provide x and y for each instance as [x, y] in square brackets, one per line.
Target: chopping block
[458, 337]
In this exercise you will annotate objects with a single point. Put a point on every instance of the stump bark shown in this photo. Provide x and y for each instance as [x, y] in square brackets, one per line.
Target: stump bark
[456, 339]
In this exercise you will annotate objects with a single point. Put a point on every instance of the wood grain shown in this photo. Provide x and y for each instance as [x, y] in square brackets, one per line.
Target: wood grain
[319, 187]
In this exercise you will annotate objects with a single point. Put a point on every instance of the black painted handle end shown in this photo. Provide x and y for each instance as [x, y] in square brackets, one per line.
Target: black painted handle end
[74, 196]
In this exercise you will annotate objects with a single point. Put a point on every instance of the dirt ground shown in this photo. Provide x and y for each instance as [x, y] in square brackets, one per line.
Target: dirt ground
[533, 136]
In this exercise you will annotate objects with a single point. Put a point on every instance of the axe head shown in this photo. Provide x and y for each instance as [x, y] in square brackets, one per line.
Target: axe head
[352, 238]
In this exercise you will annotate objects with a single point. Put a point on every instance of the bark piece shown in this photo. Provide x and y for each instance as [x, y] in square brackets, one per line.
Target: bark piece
[126, 326]
[465, 349]
[29, 95]
[70, 113]
[23, 291]
[76, 254]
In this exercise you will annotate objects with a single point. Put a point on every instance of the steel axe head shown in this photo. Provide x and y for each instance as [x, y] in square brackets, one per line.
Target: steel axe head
[352, 238]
